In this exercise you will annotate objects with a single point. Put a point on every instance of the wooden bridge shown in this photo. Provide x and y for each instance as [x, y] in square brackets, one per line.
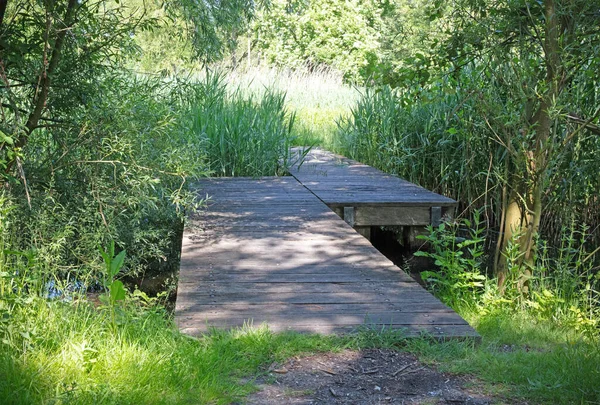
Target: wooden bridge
[274, 250]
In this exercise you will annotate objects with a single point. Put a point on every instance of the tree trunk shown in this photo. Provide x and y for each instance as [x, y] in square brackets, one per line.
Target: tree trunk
[526, 222]
[512, 223]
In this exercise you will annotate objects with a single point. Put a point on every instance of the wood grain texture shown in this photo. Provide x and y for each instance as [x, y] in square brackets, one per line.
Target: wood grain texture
[378, 198]
[269, 251]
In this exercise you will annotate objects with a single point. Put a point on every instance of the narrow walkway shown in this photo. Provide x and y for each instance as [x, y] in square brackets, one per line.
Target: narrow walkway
[365, 196]
[268, 250]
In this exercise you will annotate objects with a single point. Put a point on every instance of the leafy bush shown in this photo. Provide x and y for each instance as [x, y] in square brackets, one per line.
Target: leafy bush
[564, 290]
[343, 35]
[119, 174]
[458, 281]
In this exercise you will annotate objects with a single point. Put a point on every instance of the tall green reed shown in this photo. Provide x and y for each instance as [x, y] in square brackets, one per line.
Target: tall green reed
[451, 137]
[243, 135]
[318, 97]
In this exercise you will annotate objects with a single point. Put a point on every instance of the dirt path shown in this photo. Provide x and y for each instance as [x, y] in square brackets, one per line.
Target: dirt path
[363, 377]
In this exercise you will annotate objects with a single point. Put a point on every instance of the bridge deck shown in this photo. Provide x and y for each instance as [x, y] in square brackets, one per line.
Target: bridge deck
[370, 196]
[268, 250]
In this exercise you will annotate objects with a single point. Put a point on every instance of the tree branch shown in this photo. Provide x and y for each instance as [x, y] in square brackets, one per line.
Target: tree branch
[46, 75]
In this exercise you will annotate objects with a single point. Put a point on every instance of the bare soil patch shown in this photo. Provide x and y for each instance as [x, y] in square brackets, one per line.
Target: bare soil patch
[363, 377]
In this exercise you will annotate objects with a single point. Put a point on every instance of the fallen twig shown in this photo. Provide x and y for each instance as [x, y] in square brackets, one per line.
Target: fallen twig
[328, 371]
[402, 369]
[411, 371]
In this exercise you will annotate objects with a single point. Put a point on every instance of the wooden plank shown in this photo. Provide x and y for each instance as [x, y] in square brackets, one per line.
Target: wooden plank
[408, 306]
[305, 317]
[441, 332]
[275, 277]
[436, 216]
[268, 250]
[240, 270]
[314, 288]
[349, 215]
[392, 215]
[303, 298]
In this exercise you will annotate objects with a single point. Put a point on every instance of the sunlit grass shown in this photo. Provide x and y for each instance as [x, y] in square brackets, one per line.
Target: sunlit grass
[318, 98]
[71, 352]
[522, 358]
[68, 352]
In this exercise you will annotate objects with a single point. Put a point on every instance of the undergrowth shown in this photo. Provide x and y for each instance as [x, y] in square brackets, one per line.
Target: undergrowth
[541, 343]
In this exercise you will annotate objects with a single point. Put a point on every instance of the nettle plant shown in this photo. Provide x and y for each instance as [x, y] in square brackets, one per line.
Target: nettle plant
[458, 279]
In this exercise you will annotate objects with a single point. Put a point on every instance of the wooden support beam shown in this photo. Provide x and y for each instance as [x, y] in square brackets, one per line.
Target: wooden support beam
[349, 216]
[436, 216]
[387, 216]
[364, 231]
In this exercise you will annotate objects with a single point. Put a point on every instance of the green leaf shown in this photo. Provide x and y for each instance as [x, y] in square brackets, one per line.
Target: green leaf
[117, 291]
[6, 139]
[117, 263]
[104, 255]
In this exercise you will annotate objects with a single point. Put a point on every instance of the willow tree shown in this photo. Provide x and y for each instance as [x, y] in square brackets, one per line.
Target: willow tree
[537, 53]
[55, 54]
[90, 152]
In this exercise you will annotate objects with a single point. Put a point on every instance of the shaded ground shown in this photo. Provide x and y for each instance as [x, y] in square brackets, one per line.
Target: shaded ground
[363, 377]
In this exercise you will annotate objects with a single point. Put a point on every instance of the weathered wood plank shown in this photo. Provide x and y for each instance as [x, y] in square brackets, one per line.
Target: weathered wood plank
[436, 216]
[275, 277]
[192, 286]
[268, 250]
[258, 271]
[339, 181]
[319, 318]
[441, 332]
[403, 216]
[360, 308]
[349, 216]
[319, 293]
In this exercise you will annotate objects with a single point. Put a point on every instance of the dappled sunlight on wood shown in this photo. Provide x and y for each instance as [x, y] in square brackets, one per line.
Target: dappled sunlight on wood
[268, 251]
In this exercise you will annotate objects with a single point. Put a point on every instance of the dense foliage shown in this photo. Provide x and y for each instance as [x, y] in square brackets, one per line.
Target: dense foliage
[338, 34]
[366, 41]
[491, 103]
[503, 117]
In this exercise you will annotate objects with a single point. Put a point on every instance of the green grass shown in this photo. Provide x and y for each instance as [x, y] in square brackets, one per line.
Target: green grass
[54, 352]
[318, 99]
[521, 358]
